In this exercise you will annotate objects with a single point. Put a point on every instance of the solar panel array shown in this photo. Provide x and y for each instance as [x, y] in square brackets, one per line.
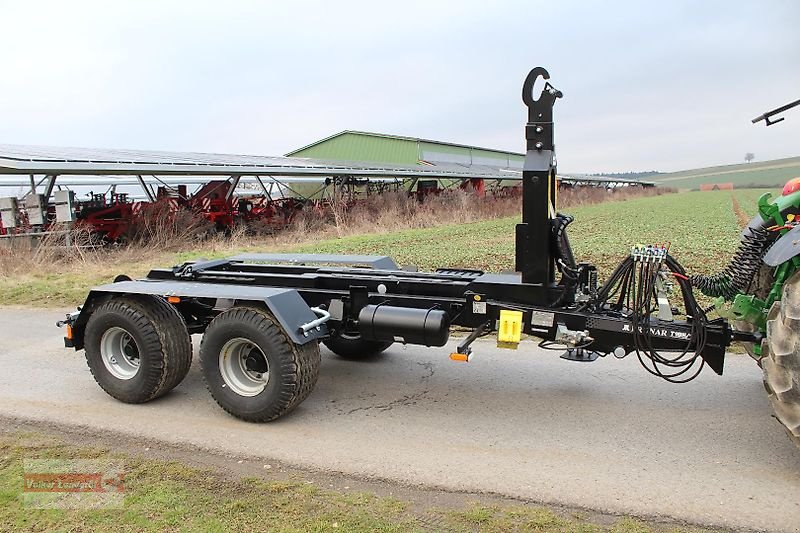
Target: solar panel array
[22, 160]
[19, 159]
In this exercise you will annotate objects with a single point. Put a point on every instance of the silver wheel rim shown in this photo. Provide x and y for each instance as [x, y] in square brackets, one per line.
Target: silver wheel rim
[120, 353]
[244, 367]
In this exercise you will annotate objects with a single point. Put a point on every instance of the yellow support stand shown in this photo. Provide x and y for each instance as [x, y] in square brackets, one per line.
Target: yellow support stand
[509, 330]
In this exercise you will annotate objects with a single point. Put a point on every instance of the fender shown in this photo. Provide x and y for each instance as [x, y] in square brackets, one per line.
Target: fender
[785, 248]
[286, 305]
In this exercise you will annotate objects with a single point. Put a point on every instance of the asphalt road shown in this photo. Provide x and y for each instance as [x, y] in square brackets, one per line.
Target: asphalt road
[603, 435]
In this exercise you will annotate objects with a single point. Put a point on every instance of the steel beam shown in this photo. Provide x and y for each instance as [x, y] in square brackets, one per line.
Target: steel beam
[51, 182]
[146, 189]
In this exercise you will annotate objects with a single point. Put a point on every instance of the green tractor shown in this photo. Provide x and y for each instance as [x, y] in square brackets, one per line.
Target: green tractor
[759, 292]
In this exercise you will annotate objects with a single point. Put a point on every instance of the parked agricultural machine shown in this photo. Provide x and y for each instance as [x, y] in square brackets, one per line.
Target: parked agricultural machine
[263, 316]
[271, 202]
[113, 216]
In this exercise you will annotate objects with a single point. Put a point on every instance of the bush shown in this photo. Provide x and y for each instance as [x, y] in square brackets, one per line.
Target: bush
[161, 226]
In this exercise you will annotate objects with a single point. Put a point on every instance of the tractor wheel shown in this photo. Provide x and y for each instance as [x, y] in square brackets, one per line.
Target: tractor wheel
[781, 358]
[253, 369]
[353, 347]
[137, 348]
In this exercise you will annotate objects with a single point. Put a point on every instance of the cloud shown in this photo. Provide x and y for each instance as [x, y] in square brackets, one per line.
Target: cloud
[647, 85]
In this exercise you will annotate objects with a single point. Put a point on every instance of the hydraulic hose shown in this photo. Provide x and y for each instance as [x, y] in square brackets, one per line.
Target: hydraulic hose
[737, 276]
[631, 291]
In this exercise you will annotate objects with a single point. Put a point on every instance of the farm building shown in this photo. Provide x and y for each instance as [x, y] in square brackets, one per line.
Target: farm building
[397, 150]
[394, 149]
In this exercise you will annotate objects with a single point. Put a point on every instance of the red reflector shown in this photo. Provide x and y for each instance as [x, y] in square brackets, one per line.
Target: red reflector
[791, 186]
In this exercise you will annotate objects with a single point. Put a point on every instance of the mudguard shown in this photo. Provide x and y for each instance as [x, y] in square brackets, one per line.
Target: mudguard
[286, 305]
[785, 248]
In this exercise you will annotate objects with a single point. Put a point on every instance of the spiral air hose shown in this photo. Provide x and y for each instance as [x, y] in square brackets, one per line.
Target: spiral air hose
[746, 261]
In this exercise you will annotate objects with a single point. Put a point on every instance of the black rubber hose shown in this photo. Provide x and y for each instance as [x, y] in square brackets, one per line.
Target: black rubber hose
[737, 276]
[561, 251]
[559, 242]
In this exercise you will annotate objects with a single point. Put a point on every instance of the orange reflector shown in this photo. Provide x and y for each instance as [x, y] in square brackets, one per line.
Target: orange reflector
[174, 299]
[455, 356]
[69, 332]
[793, 185]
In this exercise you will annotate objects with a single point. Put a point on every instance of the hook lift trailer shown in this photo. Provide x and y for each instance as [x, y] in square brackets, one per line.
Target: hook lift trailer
[263, 316]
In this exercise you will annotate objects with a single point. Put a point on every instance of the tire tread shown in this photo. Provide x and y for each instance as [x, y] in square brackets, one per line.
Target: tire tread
[298, 374]
[356, 348]
[781, 359]
[164, 333]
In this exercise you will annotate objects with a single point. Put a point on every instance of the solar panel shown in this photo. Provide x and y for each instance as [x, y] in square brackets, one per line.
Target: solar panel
[108, 163]
[19, 159]
[80, 180]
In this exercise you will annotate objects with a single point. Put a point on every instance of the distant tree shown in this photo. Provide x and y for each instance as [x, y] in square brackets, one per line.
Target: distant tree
[749, 156]
[628, 175]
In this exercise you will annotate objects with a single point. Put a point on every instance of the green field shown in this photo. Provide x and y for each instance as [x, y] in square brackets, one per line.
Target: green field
[702, 227]
[758, 174]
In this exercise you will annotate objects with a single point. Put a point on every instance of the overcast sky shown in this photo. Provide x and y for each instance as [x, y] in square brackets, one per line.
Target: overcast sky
[647, 85]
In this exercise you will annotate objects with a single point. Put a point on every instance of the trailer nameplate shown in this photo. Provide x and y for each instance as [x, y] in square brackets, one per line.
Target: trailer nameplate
[542, 319]
[478, 308]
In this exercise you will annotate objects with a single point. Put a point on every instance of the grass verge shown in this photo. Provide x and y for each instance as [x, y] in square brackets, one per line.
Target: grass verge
[165, 495]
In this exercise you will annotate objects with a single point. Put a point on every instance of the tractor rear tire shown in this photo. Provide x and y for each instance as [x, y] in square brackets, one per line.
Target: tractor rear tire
[137, 347]
[781, 358]
[252, 368]
[353, 347]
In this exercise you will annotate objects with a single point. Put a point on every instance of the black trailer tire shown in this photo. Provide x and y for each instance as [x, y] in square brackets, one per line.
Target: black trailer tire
[253, 369]
[137, 347]
[781, 358]
[353, 347]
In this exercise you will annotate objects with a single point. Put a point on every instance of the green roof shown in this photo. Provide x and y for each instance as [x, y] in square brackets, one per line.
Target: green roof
[368, 146]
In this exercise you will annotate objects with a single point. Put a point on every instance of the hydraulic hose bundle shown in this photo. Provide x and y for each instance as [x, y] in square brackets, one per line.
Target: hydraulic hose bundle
[739, 273]
[633, 291]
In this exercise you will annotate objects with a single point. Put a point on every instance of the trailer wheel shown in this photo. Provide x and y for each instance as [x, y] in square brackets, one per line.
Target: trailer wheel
[253, 369]
[781, 358]
[137, 347]
[351, 346]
